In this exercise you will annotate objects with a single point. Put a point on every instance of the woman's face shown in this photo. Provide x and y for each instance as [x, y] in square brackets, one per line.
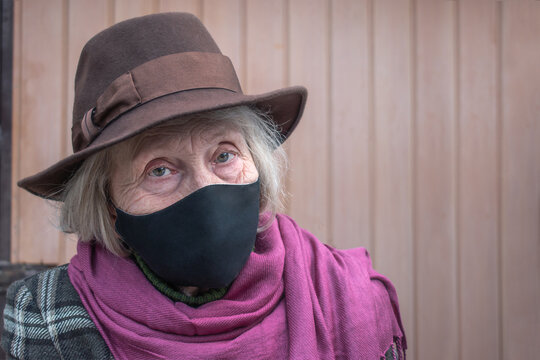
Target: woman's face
[167, 167]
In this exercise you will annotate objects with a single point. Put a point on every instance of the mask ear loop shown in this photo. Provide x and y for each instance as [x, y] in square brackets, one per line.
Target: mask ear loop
[111, 208]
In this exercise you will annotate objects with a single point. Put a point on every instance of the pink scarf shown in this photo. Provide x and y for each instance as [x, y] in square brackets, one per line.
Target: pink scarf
[295, 298]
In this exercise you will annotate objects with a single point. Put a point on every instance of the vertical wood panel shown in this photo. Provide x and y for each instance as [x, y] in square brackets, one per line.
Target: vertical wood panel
[434, 181]
[521, 180]
[225, 21]
[15, 132]
[350, 142]
[309, 146]
[190, 6]
[265, 46]
[382, 157]
[478, 179]
[392, 250]
[126, 9]
[41, 113]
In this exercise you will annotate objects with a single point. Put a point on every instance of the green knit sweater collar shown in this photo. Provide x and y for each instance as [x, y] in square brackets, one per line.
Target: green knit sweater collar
[175, 295]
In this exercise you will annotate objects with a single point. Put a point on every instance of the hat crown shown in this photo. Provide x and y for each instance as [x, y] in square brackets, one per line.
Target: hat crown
[130, 43]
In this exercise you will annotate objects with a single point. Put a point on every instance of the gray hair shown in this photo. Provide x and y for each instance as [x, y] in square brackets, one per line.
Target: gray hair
[86, 204]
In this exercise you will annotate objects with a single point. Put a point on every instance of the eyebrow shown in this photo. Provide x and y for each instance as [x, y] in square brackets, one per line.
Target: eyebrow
[229, 136]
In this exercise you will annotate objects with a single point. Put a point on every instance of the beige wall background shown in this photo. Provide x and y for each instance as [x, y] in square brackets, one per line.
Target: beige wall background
[420, 141]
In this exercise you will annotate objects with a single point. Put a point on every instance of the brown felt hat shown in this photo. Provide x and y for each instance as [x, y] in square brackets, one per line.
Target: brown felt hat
[147, 70]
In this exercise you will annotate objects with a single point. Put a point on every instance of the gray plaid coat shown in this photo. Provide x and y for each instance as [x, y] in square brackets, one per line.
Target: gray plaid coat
[45, 319]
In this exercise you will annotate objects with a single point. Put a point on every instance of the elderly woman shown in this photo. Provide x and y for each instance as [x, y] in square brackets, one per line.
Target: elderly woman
[173, 189]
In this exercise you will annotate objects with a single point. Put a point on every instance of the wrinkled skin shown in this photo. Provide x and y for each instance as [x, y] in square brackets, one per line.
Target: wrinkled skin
[166, 168]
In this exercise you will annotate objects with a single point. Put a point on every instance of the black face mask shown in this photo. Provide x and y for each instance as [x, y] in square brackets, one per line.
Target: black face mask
[202, 240]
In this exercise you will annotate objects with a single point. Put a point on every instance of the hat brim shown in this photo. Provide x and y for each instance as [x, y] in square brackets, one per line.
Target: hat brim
[285, 107]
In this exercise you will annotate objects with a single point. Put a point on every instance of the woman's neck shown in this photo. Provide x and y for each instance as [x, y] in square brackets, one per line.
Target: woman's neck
[191, 290]
[189, 295]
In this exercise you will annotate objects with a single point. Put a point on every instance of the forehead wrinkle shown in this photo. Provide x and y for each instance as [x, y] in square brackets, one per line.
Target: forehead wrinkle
[177, 132]
[151, 139]
[208, 130]
[189, 135]
[204, 129]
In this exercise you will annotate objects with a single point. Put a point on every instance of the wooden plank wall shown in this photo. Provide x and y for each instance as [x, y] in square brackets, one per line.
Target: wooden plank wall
[420, 141]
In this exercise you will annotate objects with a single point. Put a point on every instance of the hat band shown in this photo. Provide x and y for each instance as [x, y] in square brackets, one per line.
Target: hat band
[156, 78]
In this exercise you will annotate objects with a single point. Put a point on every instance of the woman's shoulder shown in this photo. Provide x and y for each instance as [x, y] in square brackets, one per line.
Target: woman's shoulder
[44, 317]
[345, 277]
[303, 240]
[44, 287]
[49, 294]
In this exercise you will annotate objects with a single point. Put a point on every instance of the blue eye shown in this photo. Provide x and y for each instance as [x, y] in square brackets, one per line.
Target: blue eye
[160, 171]
[224, 157]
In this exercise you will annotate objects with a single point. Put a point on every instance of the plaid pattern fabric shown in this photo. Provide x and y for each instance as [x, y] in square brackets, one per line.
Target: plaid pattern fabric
[394, 352]
[45, 319]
